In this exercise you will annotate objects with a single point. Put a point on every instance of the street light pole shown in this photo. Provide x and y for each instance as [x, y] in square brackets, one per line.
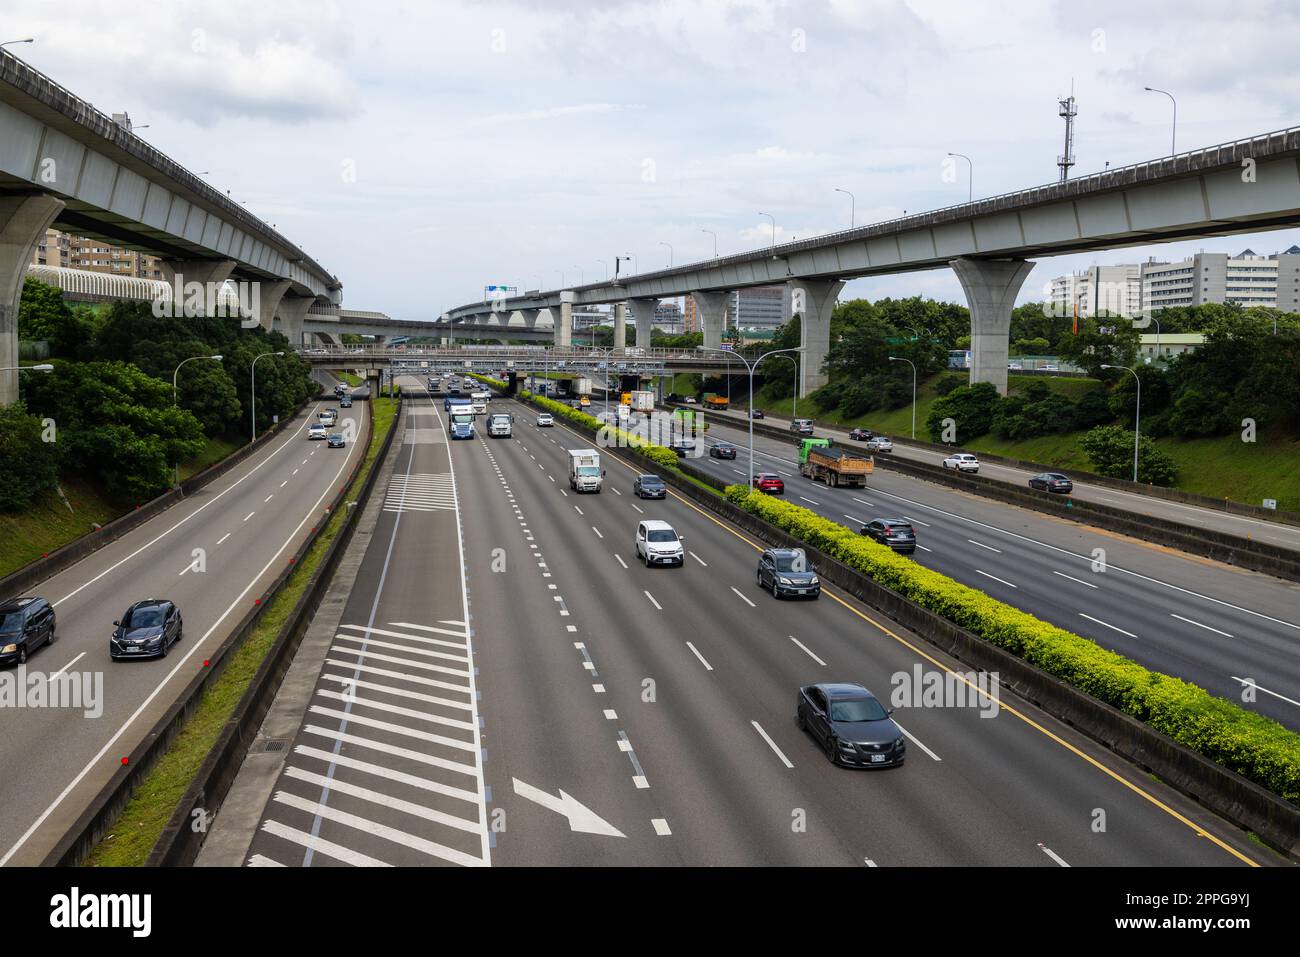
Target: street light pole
[751, 366]
[715, 241]
[606, 265]
[175, 394]
[1137, 416]
[252, 389]
[670, 253]
[970, 176]
[913, 365]
[853, 203]
[794, 407]
[773, 219]
[1173, 132]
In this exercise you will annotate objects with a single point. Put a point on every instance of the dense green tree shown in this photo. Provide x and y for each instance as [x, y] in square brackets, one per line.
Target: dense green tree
[1100, 342]
[29, 465]
[1110, 449]
[970, 407]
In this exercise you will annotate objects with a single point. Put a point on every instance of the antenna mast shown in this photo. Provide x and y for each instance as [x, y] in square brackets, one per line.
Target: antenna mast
[1067, 110]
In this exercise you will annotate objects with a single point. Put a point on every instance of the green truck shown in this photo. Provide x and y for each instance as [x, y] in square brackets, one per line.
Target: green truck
[822, 461]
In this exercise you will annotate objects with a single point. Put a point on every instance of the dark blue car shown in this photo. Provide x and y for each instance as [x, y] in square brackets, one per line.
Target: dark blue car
[147, 630]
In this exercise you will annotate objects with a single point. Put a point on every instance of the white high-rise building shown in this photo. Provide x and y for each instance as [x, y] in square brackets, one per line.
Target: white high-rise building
[1098, 290]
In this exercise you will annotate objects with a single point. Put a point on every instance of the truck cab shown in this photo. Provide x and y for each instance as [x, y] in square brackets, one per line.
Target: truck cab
[462, 424]
[500, 425]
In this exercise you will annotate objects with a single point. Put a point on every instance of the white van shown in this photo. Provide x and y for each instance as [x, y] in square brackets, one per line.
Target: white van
[658, 544]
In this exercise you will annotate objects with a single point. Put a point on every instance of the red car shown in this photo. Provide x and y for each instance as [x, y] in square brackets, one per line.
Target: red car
[769, 483]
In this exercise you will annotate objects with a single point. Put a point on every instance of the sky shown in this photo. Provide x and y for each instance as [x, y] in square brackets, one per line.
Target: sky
[420, 150]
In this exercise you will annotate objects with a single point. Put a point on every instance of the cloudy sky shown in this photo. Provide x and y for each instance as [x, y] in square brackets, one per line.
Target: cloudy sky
[422, 149]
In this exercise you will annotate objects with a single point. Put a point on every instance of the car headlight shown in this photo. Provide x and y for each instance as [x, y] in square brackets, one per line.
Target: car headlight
[785, 581]
[814, 581]
[8, 649]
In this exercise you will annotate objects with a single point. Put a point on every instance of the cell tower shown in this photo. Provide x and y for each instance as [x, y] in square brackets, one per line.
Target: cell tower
[1068, 110]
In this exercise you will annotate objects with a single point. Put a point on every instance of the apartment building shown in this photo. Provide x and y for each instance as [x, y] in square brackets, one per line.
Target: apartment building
[80, 252]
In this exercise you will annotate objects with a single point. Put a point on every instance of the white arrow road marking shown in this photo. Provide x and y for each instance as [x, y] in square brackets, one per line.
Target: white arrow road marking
[580, 817]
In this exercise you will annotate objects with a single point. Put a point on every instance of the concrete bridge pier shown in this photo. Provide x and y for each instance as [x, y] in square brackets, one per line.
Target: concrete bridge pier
[712, 307]
[268, 301]
[620, 325]
[292, 311]
[814, 301]
[23, 221]
[197, 270]
[530, 317]
[643, 311]
[562, 316]
[991, 287]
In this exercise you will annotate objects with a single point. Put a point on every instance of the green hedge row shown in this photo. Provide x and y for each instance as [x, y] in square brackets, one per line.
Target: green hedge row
[658, 454]
[1250, 744]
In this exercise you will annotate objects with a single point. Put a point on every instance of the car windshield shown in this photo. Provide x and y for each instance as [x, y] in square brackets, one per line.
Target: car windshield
[462, 419]
[11, 622]
[790, 563]
[648, 480]
[662, 535]
[588, 470]
[144, 618]
[858, 709]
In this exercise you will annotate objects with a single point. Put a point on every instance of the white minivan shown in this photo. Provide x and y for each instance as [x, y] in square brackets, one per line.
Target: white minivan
[658, 544]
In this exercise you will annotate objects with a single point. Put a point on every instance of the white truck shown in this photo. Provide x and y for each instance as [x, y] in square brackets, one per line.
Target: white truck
[584, 470]
[500, 425]
[478, 400]
[643, 400]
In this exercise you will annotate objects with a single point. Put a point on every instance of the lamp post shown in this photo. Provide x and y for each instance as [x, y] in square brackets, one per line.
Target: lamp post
[773, 219]
[853, 203]
[794, 408]
[252, 389]
[670, 252]
[1173, 132]
[751, 366]
[715, 240]
[582, 276]
[1137, 416]
[970, 176]
[913, 365]
[13, 42]
[175, 374]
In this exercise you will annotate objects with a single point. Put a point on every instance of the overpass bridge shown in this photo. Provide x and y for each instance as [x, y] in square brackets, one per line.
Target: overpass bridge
[1245, 186]
[64, 163]
[493, 360]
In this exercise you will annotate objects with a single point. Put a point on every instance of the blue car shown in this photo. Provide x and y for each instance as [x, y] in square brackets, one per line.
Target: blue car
[147, 630]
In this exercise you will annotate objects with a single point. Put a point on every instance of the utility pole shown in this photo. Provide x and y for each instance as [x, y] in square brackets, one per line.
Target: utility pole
[1067, 109]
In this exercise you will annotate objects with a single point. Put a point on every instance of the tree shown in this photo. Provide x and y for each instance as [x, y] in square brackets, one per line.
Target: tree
[29, 465]
[43, 315]
[1110, 449]
[971, 409]
[1092, 348]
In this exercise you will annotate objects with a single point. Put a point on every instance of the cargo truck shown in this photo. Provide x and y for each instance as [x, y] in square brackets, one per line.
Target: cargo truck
[642, 400]
[584, 470]
[717, 402]
[822, 461]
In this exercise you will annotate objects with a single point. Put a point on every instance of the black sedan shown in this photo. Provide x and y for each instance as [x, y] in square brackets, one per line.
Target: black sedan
[1051, 482]
[897, 533]
[722, 450]
[147, 630]
[336, 441]
[852, 726]
[756, 413]
[683, 447]
[649, 486]
[860, 435]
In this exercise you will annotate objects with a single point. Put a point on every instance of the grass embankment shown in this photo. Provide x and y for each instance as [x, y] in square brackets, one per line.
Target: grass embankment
[348, 377]
[136, 831]
[49, 524]
[1222, 467]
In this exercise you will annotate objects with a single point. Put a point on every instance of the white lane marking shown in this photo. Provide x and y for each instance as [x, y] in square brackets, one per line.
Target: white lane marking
[741, 596]
[611, 714]
[1073, 579]
[249, 515]
[406, 624]
[620, 559]
[551, 477]
[1052, 854]
[268, 498]
[1199, 625]
[261, 860]
[1249, 682]
[564, 493]
[638, 509]
[383, 800]
[923, 548]
[653, 602]
[699, 559]
[194, 648]
[982, 545]
[578, 510]
[624, 745]
[223, 538]
[295, 472]
[696, 652]
[616, 491]
[640, 782]
[1107, 625]
[661, 826]
[352, 684]
[806, 650]
[919, 522]
[865, 502]
[68, 665]
[810, 501]
[379, 770]
[771, 744]
[284, 483]
[321, 846]
[597, 531]
[916, 741]
[995, 578]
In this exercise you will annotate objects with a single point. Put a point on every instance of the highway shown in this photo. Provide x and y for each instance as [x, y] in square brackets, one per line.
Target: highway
[1276, 533]
[1214, 624]
[213, 554]
[510, 687]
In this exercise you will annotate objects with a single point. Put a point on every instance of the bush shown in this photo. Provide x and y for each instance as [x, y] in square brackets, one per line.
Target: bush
[1249, 744]
[29, 466]
[1110, 448]
[948, 382]
[971, 406]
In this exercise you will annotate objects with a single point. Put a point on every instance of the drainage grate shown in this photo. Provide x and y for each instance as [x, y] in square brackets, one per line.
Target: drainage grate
[270, 745]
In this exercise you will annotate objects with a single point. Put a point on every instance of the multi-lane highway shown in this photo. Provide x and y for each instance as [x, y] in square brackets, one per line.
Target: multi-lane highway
[1213, 624]
[509, 686]
[213, 554]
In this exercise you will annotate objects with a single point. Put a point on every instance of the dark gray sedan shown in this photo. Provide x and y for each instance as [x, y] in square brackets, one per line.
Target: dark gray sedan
[852, 726]
[147, 630]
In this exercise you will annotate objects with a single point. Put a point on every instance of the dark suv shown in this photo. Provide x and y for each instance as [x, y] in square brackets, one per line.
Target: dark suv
[147, 630]
[897, 533]
[785, 571]
[649, 486]
[25, 625]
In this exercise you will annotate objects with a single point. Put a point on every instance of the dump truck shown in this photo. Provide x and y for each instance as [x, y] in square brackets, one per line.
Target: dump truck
[714, 401]
[822, 461]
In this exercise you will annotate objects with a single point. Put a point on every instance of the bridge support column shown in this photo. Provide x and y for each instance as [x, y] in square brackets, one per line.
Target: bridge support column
[814, 300]
[197, 270]
[530, 317]
[643, 311]
[712, 307]
[292, 311]
[991, 287]
[268, 301]
[562, 316]
[23, 221]
[620, 325]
